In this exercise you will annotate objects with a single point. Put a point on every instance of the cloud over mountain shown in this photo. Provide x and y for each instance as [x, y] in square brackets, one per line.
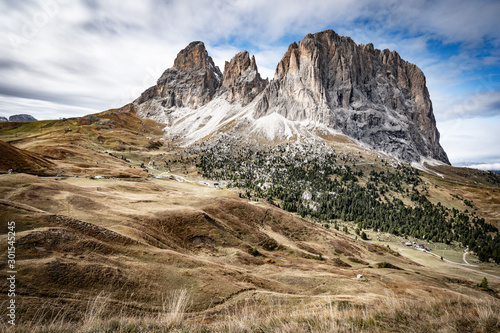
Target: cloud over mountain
[66, 53]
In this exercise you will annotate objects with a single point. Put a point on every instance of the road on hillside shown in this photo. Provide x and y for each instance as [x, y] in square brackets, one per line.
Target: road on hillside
[462, 266]
[456, 263]
[465, 260]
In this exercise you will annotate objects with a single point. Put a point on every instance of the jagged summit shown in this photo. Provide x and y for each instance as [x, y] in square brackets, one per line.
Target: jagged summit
[324, 82]
[194, 56]
[241, 79]
[192, 82]
[370, 95]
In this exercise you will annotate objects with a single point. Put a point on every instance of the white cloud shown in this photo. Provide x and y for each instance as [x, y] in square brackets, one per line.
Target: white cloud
[449, 20]
[480, 104]
[40, 109]
[82, 48]
[485, 166]
[94, 55]
[473, 139]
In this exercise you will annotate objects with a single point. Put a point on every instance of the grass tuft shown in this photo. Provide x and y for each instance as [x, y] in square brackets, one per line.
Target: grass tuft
[388, 313]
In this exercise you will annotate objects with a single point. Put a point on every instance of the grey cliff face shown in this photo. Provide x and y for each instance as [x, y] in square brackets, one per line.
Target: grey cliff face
[21, 118]
[3, 119]
[241, 79]
[370, 95]
[192, 82]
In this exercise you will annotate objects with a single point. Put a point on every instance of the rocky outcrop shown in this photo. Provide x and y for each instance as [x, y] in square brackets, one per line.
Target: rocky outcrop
[241, 79]
[370, 95]
[3, 120]
[192, 82]
[21, 118]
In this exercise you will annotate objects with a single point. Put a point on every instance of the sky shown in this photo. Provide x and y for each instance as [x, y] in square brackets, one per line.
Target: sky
[63, 58]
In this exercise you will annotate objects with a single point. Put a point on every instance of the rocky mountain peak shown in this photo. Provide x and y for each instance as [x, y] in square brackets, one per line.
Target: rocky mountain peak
[236, 67]
[253, 64]
[192, 82]
[21, 118]
[241, 79]
[284, 65]
[194, 56]
[324, 81]
[370, 95]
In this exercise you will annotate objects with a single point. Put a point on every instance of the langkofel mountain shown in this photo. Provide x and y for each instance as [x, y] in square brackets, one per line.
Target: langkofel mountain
[325, 84]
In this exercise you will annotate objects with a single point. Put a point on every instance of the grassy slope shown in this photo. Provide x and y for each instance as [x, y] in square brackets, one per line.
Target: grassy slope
[145, 239]
[479, 187]
[81, 146]
[135, 242]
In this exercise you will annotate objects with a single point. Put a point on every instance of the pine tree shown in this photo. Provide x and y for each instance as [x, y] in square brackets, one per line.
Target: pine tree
[484, 284]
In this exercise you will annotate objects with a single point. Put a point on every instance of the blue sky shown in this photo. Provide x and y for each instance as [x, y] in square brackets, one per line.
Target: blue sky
[61, 58]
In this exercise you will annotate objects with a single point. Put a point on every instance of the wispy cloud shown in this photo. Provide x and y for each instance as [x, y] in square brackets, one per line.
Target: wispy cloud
[96, 55]
[485, 166]
[483, 104]
[472, 139]
[41, 109]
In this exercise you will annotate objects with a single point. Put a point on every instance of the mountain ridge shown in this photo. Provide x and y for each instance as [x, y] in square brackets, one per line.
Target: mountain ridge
[324, 83]
[18, 118]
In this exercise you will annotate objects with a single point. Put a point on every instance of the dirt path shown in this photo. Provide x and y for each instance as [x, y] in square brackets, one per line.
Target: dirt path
[465, 260]
[462, 266]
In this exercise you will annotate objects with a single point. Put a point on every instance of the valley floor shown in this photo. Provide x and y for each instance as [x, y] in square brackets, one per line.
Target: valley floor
[158, 255]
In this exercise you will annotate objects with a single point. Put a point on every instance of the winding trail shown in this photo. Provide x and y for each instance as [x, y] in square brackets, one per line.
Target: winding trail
[465, 260]
[463, 266]
[459, 264]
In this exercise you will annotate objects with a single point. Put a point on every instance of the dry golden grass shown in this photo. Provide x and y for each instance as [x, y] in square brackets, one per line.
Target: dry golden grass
[479, 187]
[156, 255]
[93, 272]
[388, 313]
[81, 146]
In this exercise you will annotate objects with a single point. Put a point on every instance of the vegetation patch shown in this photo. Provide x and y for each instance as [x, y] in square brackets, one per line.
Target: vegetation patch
[339, 263]
[321, 183]
[387, 265]
[358, 261]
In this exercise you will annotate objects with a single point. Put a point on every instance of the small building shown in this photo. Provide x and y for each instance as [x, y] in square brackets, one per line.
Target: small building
[214, 184]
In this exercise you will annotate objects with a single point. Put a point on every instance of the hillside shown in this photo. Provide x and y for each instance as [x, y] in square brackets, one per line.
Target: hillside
[87, 146]
[170, 253]
[12, 158]
[135, 243]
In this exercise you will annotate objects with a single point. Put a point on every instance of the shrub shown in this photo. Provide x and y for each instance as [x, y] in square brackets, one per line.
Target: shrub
[254, 251]
[484, 284]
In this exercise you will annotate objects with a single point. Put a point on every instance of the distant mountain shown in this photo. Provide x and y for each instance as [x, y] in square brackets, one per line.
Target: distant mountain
[3, 119]
[325, 84]
[21, 118]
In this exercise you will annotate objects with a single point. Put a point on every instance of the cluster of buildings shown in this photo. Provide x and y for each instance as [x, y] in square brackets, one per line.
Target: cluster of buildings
[420, 247]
